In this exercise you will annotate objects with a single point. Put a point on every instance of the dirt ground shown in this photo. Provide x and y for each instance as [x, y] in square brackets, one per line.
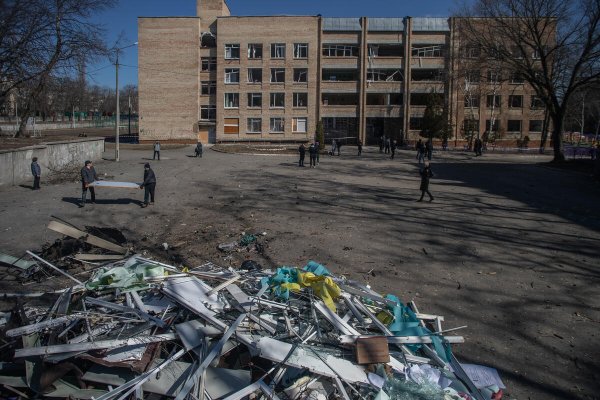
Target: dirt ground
[509, 247]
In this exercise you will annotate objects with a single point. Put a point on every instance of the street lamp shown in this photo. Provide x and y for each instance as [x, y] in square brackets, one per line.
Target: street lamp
[117, 120]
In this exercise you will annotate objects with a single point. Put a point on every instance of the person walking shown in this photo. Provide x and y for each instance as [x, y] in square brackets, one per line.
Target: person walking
[429, 149]
[302, 151]
[445, 144]
[426, 174]
[198, 149]
[333, 147]
[420, 147]
[381, 143]
[156, 150]
[478, 146]
[359, 147]
[393, 149]
[318, 146]
[312, 152]
[88, 176]
[149, 185]
[36, 171]
[387, 145]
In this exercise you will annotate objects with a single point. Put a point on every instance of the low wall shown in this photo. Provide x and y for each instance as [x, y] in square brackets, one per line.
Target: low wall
[15, 165]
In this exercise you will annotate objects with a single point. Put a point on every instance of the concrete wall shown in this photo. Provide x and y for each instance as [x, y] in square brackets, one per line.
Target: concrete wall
[15, 165]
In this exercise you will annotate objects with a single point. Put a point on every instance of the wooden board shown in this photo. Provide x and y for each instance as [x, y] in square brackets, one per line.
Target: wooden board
[372, 350]
[114, 184]
[86, 237]
[96, 257]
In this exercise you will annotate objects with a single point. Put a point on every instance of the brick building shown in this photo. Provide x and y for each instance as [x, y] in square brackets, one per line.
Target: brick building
[223, 78]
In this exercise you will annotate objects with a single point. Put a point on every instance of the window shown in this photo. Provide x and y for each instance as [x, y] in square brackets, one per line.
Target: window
[300, 99]
[340, 50]
[494, 76]
[473, 76]
[386, 50]
[536, 125]
[254, 99]
[537, 103]
[208, 64]
[427, 75]
[493, 101]
[342, 75]
[208, 113]
[277, 100]
[208, 88]
[277, 75]
[517, 78]
[231, 125]
[339, 99]
[255, 51]
[232, 51]
[537, 53]
[416, 123]
[278, 50]
[420, 50]
[471, 101]
[515, 101]
[277, 125]
[472, 52]
[300, 50]
[384, 75]
[300, 75]
[494, 128]
[232, 75]
[471, 125]
[384, 99]
[254, 75]
[517, 52]
[299, 125]
[513, 125]
[254, 125]
[232, 100]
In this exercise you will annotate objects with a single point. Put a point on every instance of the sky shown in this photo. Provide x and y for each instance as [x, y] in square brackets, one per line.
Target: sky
[122, 21]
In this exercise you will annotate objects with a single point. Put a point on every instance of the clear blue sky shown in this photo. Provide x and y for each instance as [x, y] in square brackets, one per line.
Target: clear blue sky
[123, 19]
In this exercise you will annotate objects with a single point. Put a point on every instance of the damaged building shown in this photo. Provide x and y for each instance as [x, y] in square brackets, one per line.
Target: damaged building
[223, 78]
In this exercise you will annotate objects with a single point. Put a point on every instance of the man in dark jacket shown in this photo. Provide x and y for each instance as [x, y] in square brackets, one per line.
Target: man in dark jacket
[426, 174]
[88, 176]
[36, 171]
[148, 185]
[312, 152]
[198, 150]
[393, 149]
[302, 151]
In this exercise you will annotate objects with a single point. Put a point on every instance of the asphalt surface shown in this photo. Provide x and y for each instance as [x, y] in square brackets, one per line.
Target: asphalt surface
[509, 247]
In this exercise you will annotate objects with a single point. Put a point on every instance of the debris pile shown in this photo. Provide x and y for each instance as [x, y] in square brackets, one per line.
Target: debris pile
[139, 328]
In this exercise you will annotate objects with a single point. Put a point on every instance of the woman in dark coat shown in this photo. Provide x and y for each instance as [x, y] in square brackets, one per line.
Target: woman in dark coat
[426, 174]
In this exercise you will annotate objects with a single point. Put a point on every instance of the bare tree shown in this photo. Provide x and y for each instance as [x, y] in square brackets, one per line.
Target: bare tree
[554, 44]
[42, 38]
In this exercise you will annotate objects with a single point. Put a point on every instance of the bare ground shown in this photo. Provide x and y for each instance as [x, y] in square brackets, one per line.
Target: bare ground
[509, 247]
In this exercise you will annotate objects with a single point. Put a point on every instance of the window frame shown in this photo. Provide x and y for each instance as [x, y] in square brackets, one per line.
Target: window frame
[274, 96]
[229, 74]
[210, 109]
[235, 98]
[252, 96]
[512, 98]
[258, 46]
[276, 71]
[248, 75]
[282, 124]
[300, 71]
[249, 120]
[295, 102]
[298, 47]
[231, 47]
[295, 121]
[275, 54]
[508, 123]
[495, 98]
[211, 88]
[211, 64]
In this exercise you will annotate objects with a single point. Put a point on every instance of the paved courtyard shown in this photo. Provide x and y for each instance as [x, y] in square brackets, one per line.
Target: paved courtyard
[509, 247]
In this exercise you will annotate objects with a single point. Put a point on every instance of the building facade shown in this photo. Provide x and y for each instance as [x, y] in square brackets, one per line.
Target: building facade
[223, 78]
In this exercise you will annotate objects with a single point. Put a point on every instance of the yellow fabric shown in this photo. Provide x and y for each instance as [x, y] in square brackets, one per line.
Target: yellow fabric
[323, 286]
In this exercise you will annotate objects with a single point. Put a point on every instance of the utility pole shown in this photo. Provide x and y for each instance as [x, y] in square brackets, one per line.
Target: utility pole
[118, 111]
[129, 125]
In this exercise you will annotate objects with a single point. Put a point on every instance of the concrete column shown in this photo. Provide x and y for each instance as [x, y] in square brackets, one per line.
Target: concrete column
[407, 74]
[362, 104]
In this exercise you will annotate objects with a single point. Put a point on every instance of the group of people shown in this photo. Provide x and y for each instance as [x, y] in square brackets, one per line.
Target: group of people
[313, 152]
[424, 150]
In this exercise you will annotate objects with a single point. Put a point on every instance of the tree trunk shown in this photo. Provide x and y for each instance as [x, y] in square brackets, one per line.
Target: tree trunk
[544, 137]
[557, 140]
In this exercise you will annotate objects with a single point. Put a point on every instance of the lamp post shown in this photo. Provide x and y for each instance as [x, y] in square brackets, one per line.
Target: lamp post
[117, 122]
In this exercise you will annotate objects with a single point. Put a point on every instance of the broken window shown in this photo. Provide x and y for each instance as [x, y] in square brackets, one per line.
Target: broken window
[277, 100]
[232, 75]
[299, 125]
[515, 101]
[278, 50]
[384, 99]
[473, 76]
[232, 100]
[255, 51]
[490, 128]
[493, 101]
[517, 77]
[386, 50]
[300, 75]
[232, 51]
[277, 75]
[277, 125]
[427, 75]
[424, 99]
[513, 125]
[340, 50]
[231, 125]
[341, 75]
[208, 64]
[471, 125]
[494, 76]
[208, 113]
[300, 99]
[536, 125]
[471, 101]
[340, 99]
[385, 75]
[472, 51]
[517, 52]
[300, 50]
[537, 103]
[254, 99]
[254, 125]
[421, 50]
[208, 88]
[254, 75]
